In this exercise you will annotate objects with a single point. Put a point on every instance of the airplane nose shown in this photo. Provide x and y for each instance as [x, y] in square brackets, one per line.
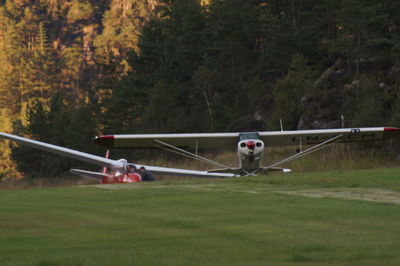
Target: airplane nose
[251, 145]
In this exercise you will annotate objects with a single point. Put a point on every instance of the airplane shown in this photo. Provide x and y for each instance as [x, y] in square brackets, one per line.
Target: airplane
[114, 171]
[250, 147]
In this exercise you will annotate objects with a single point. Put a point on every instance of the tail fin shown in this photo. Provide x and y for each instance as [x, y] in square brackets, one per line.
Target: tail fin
[105, 170]
[107, 157]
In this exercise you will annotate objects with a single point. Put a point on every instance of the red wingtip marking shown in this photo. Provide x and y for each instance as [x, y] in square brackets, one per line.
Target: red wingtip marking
[106, 141]
[390, 132]
[391, 129]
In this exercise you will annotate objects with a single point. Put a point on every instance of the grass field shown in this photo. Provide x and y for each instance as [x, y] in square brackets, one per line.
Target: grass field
[326, 218]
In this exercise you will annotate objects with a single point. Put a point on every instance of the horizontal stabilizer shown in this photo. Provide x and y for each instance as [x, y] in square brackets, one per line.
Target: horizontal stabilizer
[89, 174]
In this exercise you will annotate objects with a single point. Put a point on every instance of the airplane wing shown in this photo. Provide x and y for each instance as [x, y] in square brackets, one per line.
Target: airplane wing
[157, 170]
[191, 140]
[81, 156]
[100, 161]
[296, 137]
[184, 172]
[229, 140]
[261, 170]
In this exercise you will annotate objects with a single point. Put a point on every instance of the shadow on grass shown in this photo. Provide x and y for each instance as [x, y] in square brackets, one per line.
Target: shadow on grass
[28, 183]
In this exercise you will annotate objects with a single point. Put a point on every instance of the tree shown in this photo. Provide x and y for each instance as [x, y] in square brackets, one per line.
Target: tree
[363, 104]
[288, 93]
[122, 25]
[360, 28]
[28, 62]
[79, 11]
[169, 50]
[7, 165]
[59, 124]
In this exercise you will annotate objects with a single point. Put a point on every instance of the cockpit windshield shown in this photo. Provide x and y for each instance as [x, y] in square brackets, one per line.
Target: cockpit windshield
[249, 135]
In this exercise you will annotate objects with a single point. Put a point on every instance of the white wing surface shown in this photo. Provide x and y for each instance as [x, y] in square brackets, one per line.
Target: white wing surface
[295, 137]
[183, 172]
[229, 140]
[80, 156]
[190, 140]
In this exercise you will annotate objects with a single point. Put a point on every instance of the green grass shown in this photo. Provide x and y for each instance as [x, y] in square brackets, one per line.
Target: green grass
[245, 221]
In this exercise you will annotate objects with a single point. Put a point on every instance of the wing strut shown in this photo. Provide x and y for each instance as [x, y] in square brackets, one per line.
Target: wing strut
[172, 148]
[305, 152]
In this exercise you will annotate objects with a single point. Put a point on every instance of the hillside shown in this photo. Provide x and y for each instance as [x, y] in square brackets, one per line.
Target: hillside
[70, 70]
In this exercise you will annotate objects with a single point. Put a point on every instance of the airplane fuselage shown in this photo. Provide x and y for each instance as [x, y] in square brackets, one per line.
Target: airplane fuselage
[250, 151]
[118, 177]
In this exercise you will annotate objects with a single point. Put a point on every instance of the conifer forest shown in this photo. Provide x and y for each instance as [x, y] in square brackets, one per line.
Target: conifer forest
[74, 69]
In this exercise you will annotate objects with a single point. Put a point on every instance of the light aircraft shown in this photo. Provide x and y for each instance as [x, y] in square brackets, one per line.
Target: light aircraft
[250, 146]
[114, 171]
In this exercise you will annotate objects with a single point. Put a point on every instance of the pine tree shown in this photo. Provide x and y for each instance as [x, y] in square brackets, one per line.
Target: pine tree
[288, 94]
[359, 27]
[8, 167]
[122, 25]
[59, 124]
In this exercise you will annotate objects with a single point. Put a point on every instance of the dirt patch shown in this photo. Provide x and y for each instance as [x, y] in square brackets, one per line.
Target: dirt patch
[368, 194]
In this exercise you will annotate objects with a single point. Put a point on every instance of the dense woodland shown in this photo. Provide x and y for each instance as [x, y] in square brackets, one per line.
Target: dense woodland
[74, 69]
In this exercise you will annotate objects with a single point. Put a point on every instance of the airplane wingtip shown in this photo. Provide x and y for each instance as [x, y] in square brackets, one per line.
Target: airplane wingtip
[391, 132]
[105, 141]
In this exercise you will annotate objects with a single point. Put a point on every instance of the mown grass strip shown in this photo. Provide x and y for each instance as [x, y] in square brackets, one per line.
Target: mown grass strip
[216, 222]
